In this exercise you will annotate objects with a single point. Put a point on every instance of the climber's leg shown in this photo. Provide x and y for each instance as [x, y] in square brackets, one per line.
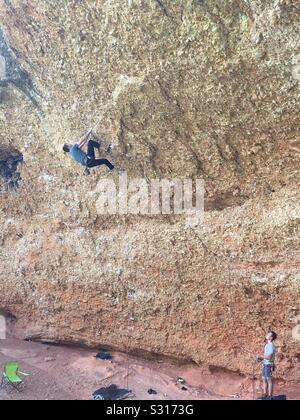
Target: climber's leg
[92, 145]
[92, 163]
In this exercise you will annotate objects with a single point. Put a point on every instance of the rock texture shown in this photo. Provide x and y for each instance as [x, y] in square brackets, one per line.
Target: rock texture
[181, 89]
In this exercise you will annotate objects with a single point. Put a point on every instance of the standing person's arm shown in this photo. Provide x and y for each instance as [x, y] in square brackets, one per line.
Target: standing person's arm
[84, 139]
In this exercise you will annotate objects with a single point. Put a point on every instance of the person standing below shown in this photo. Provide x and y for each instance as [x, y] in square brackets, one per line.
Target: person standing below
[268, 361]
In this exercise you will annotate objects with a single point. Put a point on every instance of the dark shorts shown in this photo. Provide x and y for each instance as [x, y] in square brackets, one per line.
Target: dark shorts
[267, 371]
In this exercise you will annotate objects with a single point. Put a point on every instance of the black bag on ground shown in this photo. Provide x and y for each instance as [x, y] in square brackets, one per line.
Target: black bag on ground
[110, 393]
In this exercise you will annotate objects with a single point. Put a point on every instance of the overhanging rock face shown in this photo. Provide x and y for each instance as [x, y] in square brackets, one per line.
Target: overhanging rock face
[194, 89]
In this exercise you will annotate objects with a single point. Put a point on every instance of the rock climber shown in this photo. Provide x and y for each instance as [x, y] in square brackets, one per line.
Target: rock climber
[268, 362]
[87, 159]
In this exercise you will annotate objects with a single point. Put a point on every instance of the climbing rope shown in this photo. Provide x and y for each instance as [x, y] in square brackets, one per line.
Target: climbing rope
[253, 382]
[237, 345]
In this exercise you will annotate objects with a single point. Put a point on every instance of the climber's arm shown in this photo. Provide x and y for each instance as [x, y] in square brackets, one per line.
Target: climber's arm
[84, 139]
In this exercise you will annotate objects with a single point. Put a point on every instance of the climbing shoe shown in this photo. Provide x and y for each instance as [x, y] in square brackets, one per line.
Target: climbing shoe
[87, 172]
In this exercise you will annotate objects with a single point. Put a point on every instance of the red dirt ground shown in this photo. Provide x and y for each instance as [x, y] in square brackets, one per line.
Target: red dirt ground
[65, 373]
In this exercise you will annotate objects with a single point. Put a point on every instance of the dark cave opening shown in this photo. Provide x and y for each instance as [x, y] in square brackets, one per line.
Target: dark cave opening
[10, 177]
